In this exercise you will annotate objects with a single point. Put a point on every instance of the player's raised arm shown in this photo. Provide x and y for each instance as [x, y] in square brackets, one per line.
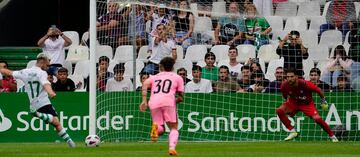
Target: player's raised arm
[6, 72]
[145, 87]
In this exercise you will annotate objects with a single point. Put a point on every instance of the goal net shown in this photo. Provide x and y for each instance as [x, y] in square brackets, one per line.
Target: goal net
[245, 68]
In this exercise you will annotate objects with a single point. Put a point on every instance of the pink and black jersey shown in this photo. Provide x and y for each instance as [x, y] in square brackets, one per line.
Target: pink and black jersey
[164, 86]
[302, 94]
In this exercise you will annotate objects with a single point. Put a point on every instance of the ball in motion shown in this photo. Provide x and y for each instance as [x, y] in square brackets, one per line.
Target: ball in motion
[92, 141]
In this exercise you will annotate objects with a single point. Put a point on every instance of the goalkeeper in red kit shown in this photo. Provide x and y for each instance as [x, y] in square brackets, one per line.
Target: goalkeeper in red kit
[298, 95]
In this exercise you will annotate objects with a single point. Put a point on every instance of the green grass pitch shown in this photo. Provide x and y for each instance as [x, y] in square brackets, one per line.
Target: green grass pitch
[185, 149]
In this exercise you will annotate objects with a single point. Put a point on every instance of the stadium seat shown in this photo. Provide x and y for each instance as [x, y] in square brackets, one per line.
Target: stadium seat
[30, 64]
[77, 53]
[202, 24]
[129, 68]
[104, 50]
[276, 22]
[68, 66]
[309, 9]
[179, 52]
[279, 33]
[298, 2]
[124, 53]
[331, 38]
[222, 62]
[346, 41]
[74, 37]
[220, 51]
[196, 53]
[308, 64]
[286, 9]
[272, 68]
[267, 53]
[318, 53]
[143, 54]
[316, 22]
[326, 7]
[82, 68]
[78, 79]
[357, 8]
[245, 52]
[296, 23]
[321, 65]
[309, 38]
[184, 63]
[218, 9]
[112, 65]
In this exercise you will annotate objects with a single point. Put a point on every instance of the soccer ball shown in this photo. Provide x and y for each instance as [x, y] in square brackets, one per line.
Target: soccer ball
[92, 141]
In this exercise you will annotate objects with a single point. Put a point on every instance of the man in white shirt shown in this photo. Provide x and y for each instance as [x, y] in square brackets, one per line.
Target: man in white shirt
[162, 46]
[39, 89]
[52, 44]
[118, 82]
[198, 85]
[233, 65]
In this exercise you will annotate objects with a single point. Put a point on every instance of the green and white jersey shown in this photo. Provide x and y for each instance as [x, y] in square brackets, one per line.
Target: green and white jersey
[34, 79]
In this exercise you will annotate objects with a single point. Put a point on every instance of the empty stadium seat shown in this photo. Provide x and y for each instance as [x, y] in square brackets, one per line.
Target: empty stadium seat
[331, 38]
[74, 37]
[184, 63]
[318, 53]
[309, 9]
[218, 9]
[220, 51]
[112, 65]
[78, 79]
[316, 22]
[196, 53]
[68, 66]
[245, 52]
[296, 23]
[267, 53]
[143, 54]
[308, 64]
[326, 7]
[103, 50]
[77, 53]
[273, 64]
[179, 52]
[129, 68]
[286, 9]
[124, 53]
[309, 38]
[82, 68]
[276, 22]
[202, 24]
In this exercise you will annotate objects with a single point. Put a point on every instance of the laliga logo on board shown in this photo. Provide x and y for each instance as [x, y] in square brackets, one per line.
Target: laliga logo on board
[5, 123]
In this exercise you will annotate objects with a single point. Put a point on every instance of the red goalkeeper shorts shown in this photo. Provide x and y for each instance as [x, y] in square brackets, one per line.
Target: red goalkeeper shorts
[308, 109]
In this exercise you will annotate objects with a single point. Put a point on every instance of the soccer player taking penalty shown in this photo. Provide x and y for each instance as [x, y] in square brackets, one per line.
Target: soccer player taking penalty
[162, 103]
[298, 95]
[39, 89]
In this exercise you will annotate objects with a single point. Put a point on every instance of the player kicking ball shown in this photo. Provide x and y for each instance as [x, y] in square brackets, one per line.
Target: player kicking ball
[39, 89]
[298, 95]
[162, 103]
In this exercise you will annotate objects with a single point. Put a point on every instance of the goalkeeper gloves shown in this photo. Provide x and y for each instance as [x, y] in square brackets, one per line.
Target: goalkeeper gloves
[324, 105]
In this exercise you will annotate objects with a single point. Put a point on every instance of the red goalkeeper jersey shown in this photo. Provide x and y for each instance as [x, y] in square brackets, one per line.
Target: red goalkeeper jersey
[300, 95]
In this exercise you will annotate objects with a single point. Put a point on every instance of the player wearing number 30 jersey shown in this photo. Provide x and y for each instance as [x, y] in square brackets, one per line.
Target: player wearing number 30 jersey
[39, 89]
[164, 87]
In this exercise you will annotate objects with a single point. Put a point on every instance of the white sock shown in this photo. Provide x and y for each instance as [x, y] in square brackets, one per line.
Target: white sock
[293, 130]
[64, 135]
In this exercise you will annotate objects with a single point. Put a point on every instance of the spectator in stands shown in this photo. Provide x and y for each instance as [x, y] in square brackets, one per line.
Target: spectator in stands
[210, 71]
[230, 27]
[294, 52]
[198, 84]
[340, 15]
[246, 80]
[140, 20]
[233, 65]
[354, 51]
[103, 75]
[274, 86]
[343, 84]
[50, 77]
[63, 83]
[183, 22]
[183, 73]
[355, 84]
[143, 77]
[118, 82]
[260, 83]
[162, 46]
[8, 83]
[225, 84]
[112, 27]
[160, 16]
[52, 44]
[254, 65]
[257, 28]
[315, 74]
[339, 64]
